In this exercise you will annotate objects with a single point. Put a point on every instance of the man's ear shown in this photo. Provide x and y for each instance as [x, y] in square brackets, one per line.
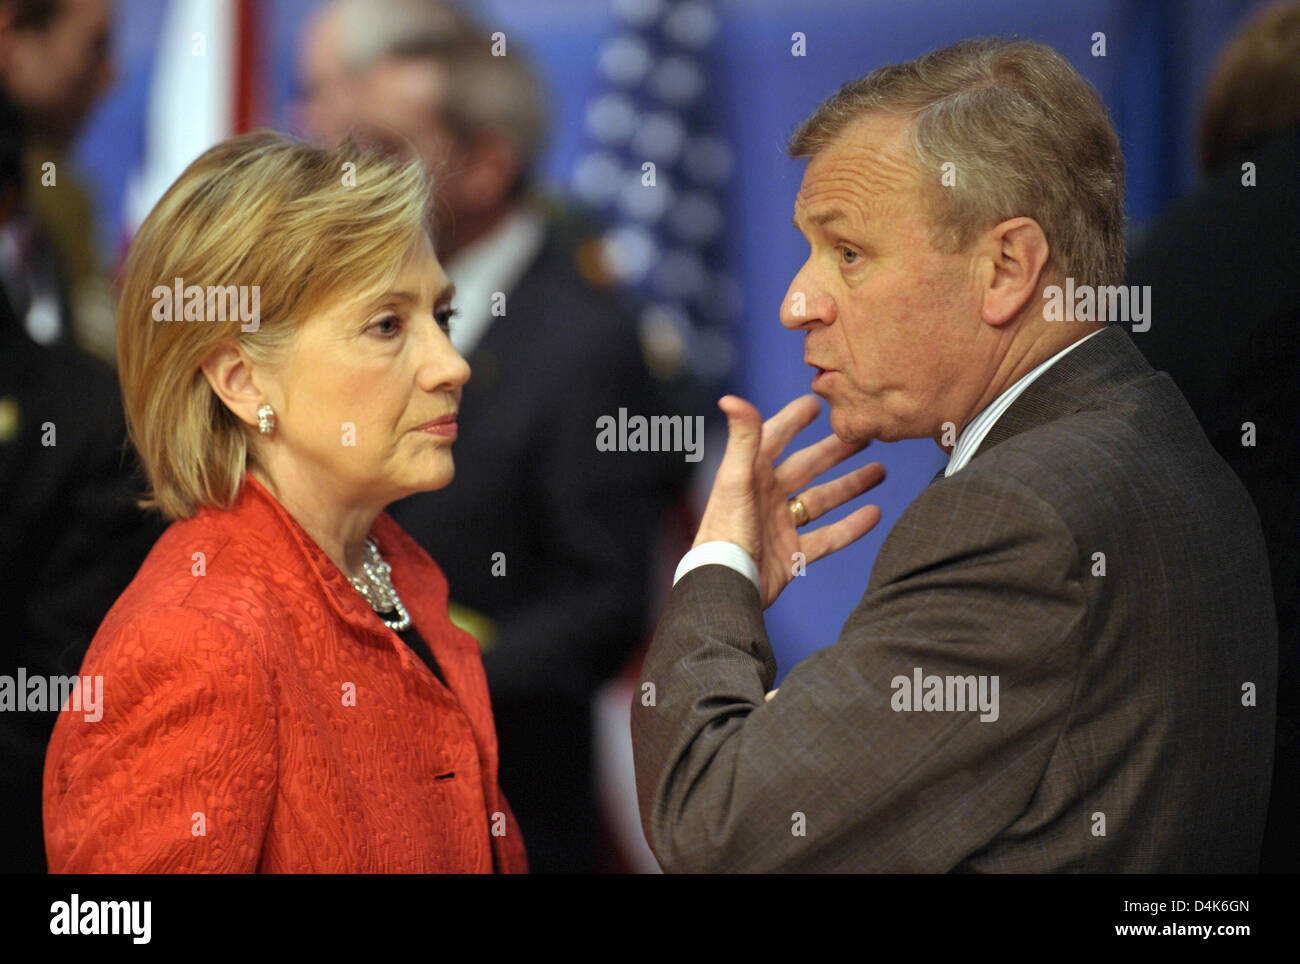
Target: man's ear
[230, 374]
[492, 168]
[1016, 252]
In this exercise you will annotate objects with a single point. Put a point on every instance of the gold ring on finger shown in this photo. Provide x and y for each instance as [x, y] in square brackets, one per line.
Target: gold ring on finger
[799, 511]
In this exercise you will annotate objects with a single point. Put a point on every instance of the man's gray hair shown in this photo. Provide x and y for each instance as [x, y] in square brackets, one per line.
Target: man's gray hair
[485, 93]
[1026, 134]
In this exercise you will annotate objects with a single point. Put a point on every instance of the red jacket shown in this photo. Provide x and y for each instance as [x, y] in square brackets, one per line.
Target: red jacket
[258, 716]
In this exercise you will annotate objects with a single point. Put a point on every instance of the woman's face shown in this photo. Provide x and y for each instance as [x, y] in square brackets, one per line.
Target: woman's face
[367, 396]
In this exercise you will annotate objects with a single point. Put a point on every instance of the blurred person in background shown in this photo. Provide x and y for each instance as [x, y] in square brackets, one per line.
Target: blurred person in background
[288, 693]
[54, 67]
[545, 539]
[326, 106]
[71, 536]
[1224, 269]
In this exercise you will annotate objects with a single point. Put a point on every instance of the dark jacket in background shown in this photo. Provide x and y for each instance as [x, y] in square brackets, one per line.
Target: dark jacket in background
[71, 539]
[574, 525]
[1224, 269]
[70, 535]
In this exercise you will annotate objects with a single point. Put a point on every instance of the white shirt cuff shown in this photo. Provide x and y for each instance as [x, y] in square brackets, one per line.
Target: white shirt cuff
[721, 554]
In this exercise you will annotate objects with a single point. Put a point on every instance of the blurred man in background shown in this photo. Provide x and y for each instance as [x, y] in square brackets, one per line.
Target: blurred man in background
[1225, 313]
[326, 101]
[555, 585]
[56, 65]
[71, 538]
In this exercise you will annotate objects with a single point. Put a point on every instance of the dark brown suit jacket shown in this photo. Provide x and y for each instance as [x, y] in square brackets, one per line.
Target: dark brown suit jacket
[1126, 738]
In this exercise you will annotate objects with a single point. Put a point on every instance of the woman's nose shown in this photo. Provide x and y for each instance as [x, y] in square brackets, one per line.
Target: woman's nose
[445, 367]
[460, 370]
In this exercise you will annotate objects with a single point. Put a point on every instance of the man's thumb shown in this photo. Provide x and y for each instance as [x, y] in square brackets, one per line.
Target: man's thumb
[744, 432]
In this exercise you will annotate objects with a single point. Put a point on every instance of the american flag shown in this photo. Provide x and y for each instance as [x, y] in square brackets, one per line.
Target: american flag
[206, 84]
[655, 169]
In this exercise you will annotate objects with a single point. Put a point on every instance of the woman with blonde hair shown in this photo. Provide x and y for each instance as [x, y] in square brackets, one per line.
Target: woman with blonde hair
[282, 688]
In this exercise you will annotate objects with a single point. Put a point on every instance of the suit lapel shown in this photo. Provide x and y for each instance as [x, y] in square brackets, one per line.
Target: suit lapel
[1073, 384]
[500, 347]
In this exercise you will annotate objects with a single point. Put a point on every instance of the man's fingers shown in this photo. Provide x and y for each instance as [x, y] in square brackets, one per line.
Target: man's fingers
[808, 463]
[780, 430]
[834, 537]
[823, 498]
[744, 429]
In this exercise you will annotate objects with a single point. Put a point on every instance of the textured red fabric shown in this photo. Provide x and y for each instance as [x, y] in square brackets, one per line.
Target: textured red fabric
[226, 742]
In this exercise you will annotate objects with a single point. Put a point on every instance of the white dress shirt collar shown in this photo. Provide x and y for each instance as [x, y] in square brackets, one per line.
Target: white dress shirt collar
[493, 264]
[973, 434]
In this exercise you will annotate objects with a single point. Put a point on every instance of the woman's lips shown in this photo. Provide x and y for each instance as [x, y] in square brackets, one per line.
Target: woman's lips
[445, 427]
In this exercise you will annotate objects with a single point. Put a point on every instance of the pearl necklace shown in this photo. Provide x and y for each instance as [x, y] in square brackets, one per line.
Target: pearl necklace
[378, 589]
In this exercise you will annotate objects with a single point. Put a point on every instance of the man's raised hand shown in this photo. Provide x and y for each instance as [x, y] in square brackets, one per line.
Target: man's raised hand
[750, 506]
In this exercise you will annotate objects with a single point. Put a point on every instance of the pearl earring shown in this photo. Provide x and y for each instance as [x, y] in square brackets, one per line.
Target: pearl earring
[265, 419]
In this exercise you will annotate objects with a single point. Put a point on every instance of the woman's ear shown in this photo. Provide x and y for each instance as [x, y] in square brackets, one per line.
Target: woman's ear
[230, 374]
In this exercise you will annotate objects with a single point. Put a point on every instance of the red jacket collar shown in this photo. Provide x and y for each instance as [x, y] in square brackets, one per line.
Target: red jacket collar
[259, 517]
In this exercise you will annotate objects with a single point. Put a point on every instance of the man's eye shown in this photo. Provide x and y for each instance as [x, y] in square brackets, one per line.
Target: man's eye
[848, 255]
[445, 316]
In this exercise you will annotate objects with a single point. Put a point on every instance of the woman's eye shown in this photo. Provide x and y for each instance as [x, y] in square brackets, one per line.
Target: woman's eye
[444, 316]
[387, 326]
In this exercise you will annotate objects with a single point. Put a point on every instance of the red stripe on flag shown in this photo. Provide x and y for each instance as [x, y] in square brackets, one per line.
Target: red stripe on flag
[248, 67]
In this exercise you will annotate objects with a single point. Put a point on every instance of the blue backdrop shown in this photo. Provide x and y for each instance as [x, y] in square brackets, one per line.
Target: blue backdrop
[1158, 56]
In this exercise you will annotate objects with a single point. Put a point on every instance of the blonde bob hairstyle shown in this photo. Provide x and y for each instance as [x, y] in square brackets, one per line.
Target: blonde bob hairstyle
[295, 223]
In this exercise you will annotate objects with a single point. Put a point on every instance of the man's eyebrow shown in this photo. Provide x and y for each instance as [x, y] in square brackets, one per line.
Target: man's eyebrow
[821, 218]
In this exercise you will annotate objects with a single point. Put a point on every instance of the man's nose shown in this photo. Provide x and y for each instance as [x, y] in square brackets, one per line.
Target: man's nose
[805, 303]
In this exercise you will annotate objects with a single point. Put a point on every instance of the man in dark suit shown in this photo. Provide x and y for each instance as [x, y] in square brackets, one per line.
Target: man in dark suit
[71, 538]
[1065, 657]
[55, 62]
[1224, 268]
[545, 538]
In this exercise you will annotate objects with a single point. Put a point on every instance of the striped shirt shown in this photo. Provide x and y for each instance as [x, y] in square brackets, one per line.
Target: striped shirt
[973, 434]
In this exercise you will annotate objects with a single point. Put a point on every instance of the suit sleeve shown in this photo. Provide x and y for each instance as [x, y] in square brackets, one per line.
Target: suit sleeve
[179, 773]
[977, 580]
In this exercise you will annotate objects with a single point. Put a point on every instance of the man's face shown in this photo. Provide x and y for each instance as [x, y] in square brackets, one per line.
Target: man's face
[326, 111]
[406, 96]
[889, 321]
[55, 74]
